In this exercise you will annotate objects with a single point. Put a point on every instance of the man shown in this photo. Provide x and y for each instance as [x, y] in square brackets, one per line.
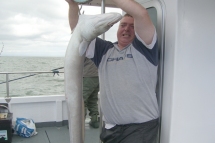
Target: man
[127, 75]
[90, 91]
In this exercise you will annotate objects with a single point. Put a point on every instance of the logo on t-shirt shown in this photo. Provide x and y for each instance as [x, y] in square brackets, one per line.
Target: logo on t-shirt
[129, 56]
[114, 59]
[119, 58]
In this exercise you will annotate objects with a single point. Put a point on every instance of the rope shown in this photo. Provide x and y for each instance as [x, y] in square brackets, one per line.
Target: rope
[55, 71]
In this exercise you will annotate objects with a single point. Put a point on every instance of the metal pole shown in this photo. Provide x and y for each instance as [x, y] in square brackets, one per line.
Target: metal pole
[7, 98]
[103, 37]
[103, 11]
[7, 85]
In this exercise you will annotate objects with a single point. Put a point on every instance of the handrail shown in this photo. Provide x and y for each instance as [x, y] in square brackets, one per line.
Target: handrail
[23, 72]
[55, 71]
[32, 73]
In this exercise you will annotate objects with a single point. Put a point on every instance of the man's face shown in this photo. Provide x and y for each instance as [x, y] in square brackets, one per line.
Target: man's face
[125, 33]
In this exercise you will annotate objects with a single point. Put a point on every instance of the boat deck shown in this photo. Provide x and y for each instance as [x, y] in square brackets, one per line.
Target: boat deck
[58, 135]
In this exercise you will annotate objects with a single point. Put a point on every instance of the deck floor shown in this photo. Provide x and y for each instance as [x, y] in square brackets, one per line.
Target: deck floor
[58, 135]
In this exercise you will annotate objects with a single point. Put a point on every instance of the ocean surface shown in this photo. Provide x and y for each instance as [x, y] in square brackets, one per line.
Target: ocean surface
[30, 84]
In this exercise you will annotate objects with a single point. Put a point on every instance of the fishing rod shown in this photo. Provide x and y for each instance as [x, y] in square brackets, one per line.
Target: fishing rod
[2, 48]
[55, 71]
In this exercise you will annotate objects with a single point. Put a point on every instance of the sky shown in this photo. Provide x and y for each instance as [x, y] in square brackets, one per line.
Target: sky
[39, 27]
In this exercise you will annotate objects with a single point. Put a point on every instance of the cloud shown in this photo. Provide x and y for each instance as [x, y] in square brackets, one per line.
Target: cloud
[38, 27]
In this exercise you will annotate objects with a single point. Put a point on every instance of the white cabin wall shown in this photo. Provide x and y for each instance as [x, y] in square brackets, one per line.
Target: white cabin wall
[189, 80]
[170, 8]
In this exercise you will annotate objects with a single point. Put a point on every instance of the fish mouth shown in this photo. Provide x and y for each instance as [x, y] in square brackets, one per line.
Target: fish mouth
[111, 24]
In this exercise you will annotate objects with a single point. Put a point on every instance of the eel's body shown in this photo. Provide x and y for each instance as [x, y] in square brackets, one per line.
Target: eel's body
[87, 29]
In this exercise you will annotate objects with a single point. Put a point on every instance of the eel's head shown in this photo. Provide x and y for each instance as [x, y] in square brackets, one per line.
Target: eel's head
[95, 25]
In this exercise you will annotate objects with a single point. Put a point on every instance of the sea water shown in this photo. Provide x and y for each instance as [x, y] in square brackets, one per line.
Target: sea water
[31, 84]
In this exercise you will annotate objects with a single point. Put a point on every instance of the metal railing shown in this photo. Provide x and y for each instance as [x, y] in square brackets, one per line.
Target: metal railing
[32, 73]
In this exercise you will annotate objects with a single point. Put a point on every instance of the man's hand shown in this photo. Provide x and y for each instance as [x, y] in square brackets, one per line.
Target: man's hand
[70, 1]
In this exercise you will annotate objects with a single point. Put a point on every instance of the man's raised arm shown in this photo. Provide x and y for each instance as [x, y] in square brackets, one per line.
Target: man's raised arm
[142, 22]
[73, 13]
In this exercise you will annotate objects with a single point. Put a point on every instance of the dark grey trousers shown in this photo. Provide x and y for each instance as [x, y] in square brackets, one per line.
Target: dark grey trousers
[90, 95]
[131, 133]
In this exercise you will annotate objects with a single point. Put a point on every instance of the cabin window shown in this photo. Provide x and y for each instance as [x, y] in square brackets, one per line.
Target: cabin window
[153, 15]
